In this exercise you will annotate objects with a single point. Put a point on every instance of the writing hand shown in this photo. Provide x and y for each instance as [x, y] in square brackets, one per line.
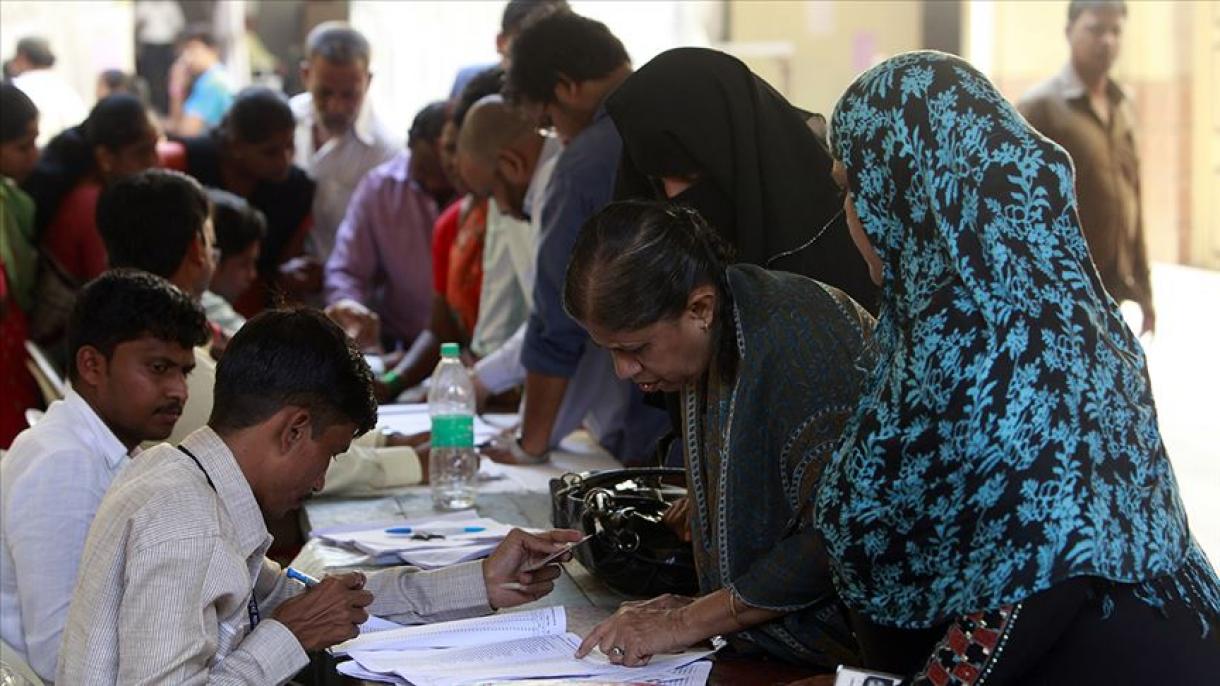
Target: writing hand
[328, 613]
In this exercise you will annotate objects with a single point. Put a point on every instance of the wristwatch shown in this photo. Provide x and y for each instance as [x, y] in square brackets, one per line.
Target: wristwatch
[521, 456]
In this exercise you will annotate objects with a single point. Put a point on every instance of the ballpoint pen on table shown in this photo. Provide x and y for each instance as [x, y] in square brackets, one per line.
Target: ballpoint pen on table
[434, 531]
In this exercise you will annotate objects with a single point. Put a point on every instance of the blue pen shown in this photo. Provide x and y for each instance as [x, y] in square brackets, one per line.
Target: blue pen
[301, 576]
[405, 530]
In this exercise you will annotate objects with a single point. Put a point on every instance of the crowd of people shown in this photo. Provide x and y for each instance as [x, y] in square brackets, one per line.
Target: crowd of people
[918, 434]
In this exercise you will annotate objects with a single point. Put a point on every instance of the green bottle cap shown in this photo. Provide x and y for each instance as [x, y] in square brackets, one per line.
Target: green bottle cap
[451, 350]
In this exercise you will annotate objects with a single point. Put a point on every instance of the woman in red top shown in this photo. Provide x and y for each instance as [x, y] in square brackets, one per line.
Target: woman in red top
[18, 154]
[118, 139]
[464, 271]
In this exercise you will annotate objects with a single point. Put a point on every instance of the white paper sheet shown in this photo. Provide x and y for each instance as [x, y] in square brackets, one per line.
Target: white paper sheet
[532, 657]
[374, 624]
[354, 670]
[693, 674]
[435, 558]
[332, 532]
[375, 541]
[462, 633]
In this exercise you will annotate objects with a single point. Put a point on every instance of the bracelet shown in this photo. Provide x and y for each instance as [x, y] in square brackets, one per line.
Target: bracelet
[390, 379]
[733, 608]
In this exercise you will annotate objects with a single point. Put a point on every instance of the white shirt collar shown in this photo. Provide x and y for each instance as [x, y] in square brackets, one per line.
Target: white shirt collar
[534, 192]
[364, 130]
[101, 435]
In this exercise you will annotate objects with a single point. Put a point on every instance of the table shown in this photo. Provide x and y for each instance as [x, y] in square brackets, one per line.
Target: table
[585, 598]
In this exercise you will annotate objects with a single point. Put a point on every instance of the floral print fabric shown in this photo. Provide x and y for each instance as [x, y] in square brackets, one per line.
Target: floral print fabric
[1008, 438]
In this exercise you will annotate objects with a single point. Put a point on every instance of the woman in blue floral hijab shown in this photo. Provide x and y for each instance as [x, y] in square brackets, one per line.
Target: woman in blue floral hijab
[1002, 507]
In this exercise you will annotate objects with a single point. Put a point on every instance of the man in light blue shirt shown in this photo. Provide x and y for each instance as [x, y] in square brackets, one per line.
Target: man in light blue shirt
[201, 108]
[131, 339]
[210, 96]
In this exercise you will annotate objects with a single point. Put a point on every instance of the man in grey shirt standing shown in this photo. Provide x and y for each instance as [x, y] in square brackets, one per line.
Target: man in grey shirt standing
[174, 584]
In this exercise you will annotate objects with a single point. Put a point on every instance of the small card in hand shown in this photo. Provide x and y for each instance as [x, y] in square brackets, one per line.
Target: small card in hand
[567, 548]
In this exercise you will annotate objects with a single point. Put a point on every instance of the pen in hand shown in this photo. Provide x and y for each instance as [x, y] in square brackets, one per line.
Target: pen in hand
[298, 575]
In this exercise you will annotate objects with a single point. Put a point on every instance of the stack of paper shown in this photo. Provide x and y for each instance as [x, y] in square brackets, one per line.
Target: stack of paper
[459, 633]
[693, 674]
[432, 543]
[412, 418]
[511, 646]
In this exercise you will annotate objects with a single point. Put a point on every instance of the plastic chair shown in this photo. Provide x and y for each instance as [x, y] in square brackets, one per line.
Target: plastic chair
[50, 383]
[14, 670]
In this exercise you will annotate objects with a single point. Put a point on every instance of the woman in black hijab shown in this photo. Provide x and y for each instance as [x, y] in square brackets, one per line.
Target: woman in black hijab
[700, 128]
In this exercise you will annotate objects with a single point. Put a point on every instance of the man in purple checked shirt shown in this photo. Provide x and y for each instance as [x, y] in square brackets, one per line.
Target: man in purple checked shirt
[382, 259]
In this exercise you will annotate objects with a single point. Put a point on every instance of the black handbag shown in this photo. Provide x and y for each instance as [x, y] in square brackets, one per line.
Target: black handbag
[632, 551]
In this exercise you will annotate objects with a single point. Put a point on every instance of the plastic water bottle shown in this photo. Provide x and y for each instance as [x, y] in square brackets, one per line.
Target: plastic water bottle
[453, 462]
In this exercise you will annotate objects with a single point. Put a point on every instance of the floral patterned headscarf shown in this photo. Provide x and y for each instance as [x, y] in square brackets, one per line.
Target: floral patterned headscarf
[1008, 439]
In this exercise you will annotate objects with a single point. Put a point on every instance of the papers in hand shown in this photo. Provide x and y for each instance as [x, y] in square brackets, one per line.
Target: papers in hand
[521, 645]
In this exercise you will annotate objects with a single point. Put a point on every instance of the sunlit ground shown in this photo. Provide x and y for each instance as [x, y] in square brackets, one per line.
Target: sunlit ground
[1184, 360]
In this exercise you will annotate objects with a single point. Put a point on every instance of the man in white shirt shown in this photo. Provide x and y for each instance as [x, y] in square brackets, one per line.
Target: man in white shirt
[159, 221]
[501, 153]
[338, 139]
[129, 340]
[59, 105]
[178, 588]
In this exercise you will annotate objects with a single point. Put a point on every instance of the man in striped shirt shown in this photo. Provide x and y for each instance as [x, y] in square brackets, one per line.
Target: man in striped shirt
[174, 584]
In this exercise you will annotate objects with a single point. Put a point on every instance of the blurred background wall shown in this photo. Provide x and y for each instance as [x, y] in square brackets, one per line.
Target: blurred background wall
[810, 50]
[1170, 65]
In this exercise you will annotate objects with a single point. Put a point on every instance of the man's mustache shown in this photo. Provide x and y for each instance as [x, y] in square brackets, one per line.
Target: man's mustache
[170, 408]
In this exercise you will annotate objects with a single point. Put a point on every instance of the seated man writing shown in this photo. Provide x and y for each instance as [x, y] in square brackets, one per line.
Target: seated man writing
[176, 586]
